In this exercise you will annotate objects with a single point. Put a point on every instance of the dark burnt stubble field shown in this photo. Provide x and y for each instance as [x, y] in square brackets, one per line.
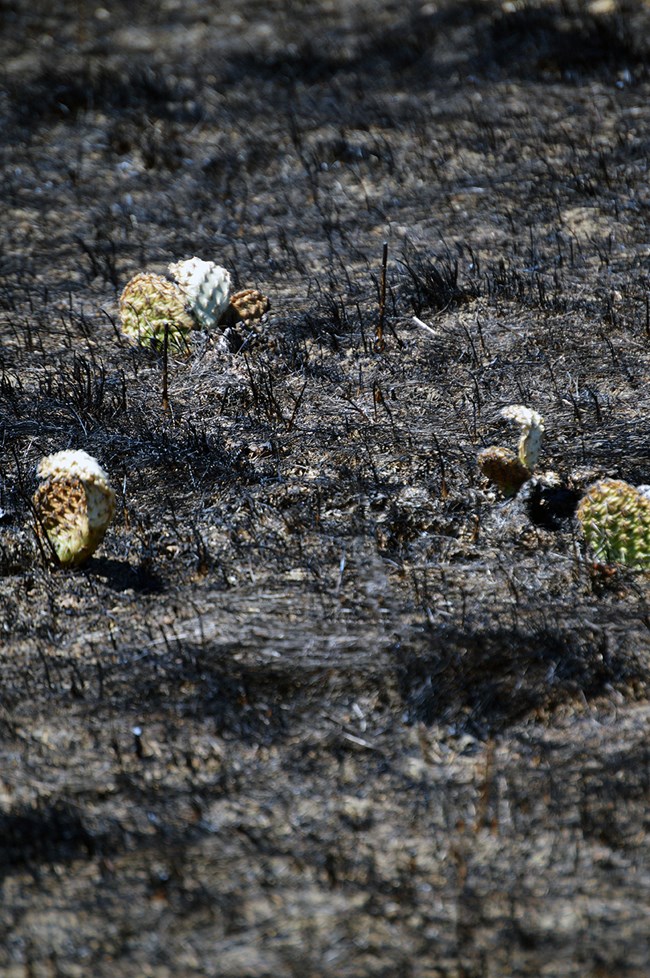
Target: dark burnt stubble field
[323, 703]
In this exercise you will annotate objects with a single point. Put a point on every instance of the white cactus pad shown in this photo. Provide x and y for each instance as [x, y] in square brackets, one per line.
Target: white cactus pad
[72, 463]
[532, 428]
[207, 288]
[74, 506]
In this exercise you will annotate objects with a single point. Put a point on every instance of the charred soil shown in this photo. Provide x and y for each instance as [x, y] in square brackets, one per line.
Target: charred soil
[323, 703]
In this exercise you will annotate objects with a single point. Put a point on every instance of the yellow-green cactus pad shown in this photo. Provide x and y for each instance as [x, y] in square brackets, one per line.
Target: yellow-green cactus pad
[74, 505]
[503, 468]
[151, 303]
[615, 519]
[206, 287]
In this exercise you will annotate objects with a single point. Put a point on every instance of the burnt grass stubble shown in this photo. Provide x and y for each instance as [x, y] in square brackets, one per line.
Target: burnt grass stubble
[322, 703]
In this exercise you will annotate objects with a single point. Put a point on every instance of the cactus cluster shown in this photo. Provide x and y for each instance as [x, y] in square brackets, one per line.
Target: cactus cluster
[615, 520]
[196, 296]
[613, 515]
[75, 503]
[73, 506]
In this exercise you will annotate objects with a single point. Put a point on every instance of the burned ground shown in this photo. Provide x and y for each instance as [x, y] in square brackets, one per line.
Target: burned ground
[323, 703]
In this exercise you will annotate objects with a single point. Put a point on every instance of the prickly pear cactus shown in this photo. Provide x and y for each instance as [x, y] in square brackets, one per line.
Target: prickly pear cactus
[503, 468]
[148, 304]
[206, 287]
[74, 505]
[615, 519]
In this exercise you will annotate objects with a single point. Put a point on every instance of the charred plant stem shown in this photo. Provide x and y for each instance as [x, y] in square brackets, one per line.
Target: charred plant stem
[379, 334]
[296, 407]
[165, 388]
[43, 541]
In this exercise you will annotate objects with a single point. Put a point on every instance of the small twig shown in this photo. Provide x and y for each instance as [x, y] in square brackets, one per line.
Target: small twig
[359, 741]
[82, 22]
[43, 541]
[165, 388]
[296, 407]
[342, 564]
[380, 343]
[482, 806]
[418, 322]
[444, 491]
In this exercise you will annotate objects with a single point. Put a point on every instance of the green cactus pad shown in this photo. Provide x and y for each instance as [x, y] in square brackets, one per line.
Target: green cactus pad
[615, 519]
